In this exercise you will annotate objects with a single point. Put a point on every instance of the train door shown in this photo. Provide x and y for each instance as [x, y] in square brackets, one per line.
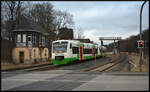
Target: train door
[100, 51]
[94, 52]
[81, 53]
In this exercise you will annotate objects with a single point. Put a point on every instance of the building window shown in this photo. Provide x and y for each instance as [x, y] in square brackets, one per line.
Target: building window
[43, 40]
[34, 52]
[34, 39]
[24, 37]
[18, 37]
[29, 38]
[45, 52]
[46, 41]
[40, 40]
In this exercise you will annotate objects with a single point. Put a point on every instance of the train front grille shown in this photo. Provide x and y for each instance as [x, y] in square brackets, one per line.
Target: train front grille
[59, 57]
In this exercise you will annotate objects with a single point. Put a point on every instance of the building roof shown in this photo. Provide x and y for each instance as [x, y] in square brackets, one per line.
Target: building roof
[28, 25]
[84, 40]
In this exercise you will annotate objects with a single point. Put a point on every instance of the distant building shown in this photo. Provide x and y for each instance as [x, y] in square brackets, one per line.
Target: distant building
[30, 42]
[84, 40]
[66, 33]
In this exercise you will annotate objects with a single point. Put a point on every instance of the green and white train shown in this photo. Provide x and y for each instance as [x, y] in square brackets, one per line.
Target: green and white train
[65, 51]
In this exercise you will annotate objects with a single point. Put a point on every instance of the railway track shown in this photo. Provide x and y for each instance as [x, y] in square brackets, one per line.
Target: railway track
[85, 66]
[78, 65]
[109, 65]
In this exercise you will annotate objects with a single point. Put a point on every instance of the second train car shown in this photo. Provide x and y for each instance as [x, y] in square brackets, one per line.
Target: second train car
[65, 51]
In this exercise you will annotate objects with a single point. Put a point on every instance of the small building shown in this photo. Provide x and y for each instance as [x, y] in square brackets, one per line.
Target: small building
[66, 33]
[30, 42]
[84, 40]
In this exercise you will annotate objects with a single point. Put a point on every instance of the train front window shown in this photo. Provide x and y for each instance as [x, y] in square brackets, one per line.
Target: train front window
[60, 47]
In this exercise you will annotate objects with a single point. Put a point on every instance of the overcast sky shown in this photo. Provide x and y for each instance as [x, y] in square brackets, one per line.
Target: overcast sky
[106, 19]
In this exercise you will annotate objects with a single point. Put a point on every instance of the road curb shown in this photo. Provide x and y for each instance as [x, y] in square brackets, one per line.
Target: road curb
[20, 68]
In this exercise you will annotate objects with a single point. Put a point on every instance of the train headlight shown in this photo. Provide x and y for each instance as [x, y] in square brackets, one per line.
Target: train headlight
[53, 54]
[140, 44]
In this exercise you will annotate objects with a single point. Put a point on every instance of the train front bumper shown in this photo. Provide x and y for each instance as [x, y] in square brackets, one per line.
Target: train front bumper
[63, 61]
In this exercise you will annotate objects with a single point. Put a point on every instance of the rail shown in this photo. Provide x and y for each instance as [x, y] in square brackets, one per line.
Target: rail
[108, 65]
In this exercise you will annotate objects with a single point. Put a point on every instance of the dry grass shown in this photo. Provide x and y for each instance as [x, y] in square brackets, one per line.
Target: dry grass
[112, 56]
[135, 60]
[134, 66]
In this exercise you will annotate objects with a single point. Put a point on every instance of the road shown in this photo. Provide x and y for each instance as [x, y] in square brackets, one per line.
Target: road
[71, 77]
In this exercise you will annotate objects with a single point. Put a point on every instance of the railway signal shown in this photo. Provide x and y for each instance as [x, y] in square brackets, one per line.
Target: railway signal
[140, 50]
[140, 44]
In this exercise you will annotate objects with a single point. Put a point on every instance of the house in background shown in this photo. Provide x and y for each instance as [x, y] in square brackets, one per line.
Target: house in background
[84, 40]
[65, 33]
[30, 42]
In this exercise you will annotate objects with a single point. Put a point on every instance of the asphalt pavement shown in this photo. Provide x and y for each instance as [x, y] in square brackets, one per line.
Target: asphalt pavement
[66, 80]
[72, 78]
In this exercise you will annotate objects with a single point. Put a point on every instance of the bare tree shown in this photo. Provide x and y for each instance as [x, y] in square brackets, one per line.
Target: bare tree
[41, 13]
[62, 19]
[80, 33]
[11, 13]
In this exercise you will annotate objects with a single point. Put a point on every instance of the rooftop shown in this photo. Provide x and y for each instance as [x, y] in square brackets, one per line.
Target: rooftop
[27, 24]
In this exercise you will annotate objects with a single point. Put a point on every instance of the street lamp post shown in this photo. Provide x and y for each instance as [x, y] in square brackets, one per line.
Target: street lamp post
[140, 63]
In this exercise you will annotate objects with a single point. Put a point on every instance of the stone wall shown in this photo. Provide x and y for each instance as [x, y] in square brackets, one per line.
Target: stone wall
[15, 55]
[34, 57]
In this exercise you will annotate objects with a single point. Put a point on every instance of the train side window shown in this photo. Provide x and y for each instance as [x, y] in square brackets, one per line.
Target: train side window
[87, 51]
[95, 51]
[75, 50]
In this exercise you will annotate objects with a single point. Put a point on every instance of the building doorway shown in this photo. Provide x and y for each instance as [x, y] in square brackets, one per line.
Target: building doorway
[21, 56]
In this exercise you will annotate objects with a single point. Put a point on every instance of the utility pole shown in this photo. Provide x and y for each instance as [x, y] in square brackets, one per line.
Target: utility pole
[140, 49]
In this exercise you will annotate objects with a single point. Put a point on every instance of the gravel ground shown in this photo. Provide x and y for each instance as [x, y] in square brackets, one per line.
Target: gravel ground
[135, 63]
[78, 66]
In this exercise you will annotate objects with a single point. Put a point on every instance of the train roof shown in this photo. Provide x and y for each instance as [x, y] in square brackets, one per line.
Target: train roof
[66, 41]
[76, 41]
[103, 47]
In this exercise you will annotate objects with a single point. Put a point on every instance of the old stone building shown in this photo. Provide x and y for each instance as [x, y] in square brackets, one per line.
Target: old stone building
[30, 42]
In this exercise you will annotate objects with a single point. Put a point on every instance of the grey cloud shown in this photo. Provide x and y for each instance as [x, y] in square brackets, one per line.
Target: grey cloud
[107, 18]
